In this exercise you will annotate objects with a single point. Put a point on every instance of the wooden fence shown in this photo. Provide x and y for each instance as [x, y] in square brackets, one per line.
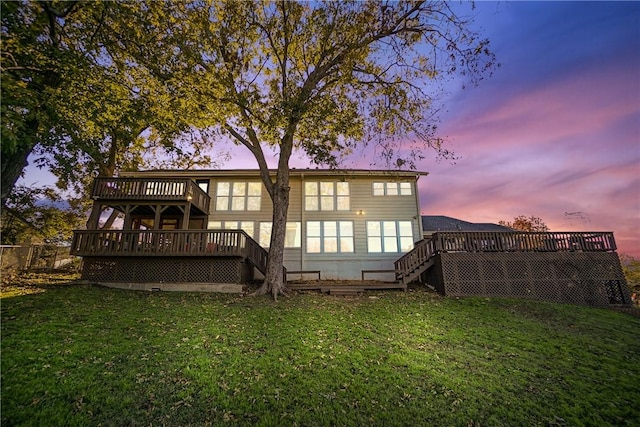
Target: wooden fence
[29, 257]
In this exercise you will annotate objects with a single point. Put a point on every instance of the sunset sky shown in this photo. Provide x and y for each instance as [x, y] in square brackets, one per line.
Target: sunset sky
[555, 130]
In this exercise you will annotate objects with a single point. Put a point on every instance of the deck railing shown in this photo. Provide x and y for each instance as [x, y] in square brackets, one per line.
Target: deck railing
[169, 243]
[524, 242]
[181, 189]
[501, 241]
[412, 260]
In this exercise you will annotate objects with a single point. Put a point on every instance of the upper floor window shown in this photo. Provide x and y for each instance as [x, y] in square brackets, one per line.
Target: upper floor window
[389, 236]
[392, 189]
[326, 196]
[238, 196]
[330, 236]
[203, 184]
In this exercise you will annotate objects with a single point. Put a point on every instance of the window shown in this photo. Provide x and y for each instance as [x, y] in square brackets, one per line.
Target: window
[238, 196]
[326, 196]
[203, 184]
[389, 236]
[330, 237]
[246, 226]
[391, 188]
[292, 237]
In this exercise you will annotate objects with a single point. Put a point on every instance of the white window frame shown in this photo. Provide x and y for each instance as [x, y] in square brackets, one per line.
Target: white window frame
[389, 236]
[237, 196]
[334, 237]
[293, 238]
[327, 196]
[403, 188]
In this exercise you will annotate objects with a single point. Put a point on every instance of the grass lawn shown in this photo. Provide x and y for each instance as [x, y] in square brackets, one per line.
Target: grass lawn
[85, 355]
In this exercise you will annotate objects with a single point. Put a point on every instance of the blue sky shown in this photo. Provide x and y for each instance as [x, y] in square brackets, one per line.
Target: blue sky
[556, 129]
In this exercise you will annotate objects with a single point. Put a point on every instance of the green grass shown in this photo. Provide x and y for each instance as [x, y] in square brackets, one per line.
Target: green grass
[85, 355]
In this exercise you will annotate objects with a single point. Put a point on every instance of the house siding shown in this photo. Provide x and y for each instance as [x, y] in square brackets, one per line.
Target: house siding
[378, 208]
[364, 206]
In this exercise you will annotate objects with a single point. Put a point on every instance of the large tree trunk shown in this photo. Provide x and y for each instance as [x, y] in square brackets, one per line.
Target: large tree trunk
[275, 282]
[12, 167]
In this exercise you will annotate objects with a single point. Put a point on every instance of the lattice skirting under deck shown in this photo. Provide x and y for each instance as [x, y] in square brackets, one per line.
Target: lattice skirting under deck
[587, 278]
[166, 269]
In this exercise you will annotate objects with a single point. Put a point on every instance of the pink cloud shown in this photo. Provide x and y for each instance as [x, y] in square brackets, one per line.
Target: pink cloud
[576, 106]
[572, 145]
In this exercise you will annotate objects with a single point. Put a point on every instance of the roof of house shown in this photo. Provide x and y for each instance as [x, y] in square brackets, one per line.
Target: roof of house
[196, 173]
[446, 223]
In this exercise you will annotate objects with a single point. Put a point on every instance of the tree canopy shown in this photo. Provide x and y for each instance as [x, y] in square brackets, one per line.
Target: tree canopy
[325, 77]
[321, 78]
[631, 270]
[34, 59]
[72, 96]
[318, 77]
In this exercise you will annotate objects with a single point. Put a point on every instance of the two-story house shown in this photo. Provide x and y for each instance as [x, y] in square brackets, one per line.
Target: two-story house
[210, 230]
[340, 222]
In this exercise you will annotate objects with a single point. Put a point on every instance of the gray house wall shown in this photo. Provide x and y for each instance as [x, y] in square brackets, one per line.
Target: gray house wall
[364, 207]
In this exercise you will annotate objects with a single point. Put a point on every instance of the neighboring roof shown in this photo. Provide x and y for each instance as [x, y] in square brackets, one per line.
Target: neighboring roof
[195, 173]
[446, 223]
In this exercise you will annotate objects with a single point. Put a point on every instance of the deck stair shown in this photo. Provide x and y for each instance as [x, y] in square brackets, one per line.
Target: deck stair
[417, 261]
[344, 288]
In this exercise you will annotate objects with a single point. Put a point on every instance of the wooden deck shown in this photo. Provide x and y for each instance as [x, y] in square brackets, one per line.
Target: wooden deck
[564, 267]
[410, 266]
[151, 189]
[165, 243]
[568, 267]
[587, 278]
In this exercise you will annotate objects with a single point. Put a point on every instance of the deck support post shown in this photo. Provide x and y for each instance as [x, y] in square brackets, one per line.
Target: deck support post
[186, 216]
[157, 218]
[127, 217]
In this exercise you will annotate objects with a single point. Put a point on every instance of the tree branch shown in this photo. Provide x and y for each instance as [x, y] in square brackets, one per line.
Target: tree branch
[22, 219]
[259, 155]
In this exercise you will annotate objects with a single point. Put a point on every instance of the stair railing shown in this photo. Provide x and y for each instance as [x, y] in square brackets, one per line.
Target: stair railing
[422, 251]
